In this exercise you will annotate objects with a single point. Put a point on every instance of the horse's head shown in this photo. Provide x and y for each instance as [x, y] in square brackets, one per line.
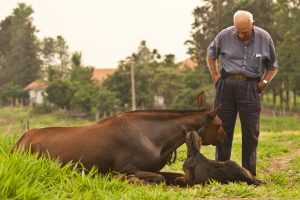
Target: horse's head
[211, 131]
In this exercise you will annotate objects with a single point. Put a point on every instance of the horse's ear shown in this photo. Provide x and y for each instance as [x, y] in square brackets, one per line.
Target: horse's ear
[201, 100]
[215, 111]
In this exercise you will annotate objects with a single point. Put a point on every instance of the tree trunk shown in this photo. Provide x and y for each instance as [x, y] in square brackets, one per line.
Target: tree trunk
[287, 93]
[274, 98]
[97, 116]
[295, 97]
[281, 100]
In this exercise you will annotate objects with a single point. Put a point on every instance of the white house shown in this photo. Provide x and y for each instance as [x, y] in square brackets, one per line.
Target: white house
[35, 90]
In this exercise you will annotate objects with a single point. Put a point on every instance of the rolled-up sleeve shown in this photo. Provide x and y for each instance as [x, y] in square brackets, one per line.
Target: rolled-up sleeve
[272, 61]
[214, 48]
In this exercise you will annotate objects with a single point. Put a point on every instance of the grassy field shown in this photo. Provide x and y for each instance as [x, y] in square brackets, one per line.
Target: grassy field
[24, 176]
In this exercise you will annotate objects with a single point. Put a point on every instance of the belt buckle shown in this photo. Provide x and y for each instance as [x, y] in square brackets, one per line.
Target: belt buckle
[240, 77]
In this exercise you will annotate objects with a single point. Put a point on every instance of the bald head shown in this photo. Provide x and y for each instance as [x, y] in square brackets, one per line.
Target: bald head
[243, 23]
[243, 15]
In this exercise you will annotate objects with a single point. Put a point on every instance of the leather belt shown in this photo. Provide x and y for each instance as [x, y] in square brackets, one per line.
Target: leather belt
[239, 77]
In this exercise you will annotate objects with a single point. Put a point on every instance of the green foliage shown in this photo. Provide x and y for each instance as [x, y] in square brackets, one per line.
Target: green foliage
[55, 57]
[208, 22]
[10, 93]
[166, 82]
[60, 92]
[19, 48]
[185, 99]
[81, 74]
[85, 90]
[42, 109]
[119, 83]
[53, 73]
[288, 30]
[82, 99]
[105, 101]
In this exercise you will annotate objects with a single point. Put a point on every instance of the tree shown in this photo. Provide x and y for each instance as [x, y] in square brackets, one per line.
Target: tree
[10, 94]
[287, 28]
[207, 24]
[82, 100]
[81, 77]
[60, 92]
[19, 60]
[166, 82]
[105, 101]
[119, 84]
[55, 57]
[143, 60]
[79, 73]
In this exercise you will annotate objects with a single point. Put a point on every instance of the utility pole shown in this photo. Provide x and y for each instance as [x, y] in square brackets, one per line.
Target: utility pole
[133, 101]
[219, 4]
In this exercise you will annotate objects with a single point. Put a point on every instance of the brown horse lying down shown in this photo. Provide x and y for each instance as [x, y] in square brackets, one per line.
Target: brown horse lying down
[138, 143]
[199, 170]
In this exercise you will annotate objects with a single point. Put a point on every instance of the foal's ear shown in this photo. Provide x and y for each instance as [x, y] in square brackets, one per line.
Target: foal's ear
[185, 130]
[215, 111]
[201, 100]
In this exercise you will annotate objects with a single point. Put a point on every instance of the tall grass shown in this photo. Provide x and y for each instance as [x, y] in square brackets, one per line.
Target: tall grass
[24, 176]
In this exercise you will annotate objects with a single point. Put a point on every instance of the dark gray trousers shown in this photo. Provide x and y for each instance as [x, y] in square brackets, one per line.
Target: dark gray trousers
[241, 97]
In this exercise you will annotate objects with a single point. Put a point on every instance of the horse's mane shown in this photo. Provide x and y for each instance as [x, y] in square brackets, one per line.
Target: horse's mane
[166, 111]
[150, 111]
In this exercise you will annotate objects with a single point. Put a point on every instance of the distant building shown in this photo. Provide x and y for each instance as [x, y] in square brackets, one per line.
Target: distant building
[187, 64]
[100, 75]
[37, 88]
[159, 102]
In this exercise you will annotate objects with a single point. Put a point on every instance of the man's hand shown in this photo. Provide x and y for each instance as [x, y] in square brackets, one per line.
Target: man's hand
[268, 76]
[215, 78]
[261, 86]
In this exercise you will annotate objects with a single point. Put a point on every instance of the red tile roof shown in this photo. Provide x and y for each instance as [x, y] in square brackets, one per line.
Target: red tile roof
[187, 64]
[101, 74]
[36, 85]
[98, 76]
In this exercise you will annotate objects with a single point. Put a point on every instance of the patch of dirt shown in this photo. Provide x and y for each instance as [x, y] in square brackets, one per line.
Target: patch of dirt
[280, 163]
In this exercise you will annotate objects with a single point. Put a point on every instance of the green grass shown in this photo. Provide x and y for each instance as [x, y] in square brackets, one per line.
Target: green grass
[23, 176]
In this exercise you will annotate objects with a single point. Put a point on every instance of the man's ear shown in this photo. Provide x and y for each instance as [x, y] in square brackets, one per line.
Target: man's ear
[201, 100]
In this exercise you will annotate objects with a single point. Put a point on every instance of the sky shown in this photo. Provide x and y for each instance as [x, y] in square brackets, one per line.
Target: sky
[107, 31]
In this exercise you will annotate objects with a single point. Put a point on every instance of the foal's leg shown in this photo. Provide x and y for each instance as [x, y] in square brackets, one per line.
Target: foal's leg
[187, 180]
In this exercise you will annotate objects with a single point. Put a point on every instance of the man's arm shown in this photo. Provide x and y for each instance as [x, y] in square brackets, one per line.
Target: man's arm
[213, 69]
[269, 75]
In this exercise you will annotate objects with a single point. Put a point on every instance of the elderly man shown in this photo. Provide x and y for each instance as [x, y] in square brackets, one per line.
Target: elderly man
[247, 65]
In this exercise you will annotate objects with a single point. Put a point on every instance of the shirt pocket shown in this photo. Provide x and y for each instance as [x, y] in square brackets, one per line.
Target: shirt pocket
[256, 62]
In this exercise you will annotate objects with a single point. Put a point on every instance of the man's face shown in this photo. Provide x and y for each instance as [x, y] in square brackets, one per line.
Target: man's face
[243, 29]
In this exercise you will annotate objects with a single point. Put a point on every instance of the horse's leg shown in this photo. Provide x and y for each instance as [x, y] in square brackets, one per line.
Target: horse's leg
[150, 177]
[171, 176]
[130, 178]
